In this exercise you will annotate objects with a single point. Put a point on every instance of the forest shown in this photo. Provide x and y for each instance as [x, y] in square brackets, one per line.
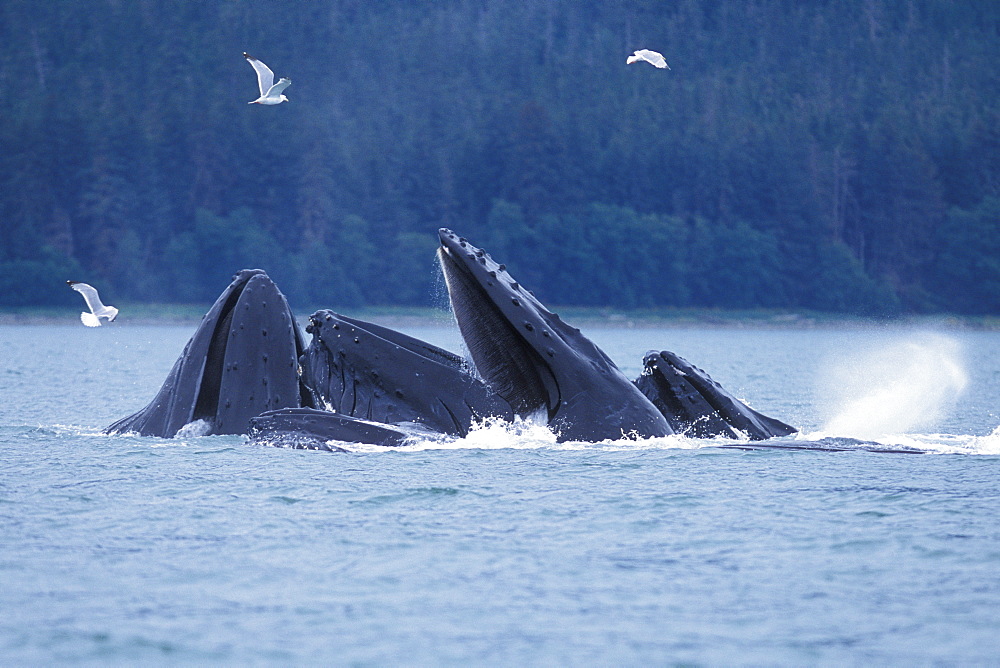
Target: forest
[839, 156]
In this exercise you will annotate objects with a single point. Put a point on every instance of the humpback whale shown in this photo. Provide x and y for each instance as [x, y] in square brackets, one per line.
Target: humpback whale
[240, 361]
[377, 386]
[246, 369]
[313, 429]
[363, 370]
[534, 360]
[695, 405]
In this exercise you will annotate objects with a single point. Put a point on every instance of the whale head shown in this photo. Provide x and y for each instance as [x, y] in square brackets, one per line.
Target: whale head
[241, 361]
[370, 372]
[534, 360]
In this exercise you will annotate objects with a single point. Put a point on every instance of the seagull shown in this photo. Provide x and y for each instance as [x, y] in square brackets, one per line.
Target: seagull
[270, 92]
[652, 57]
[97, 309]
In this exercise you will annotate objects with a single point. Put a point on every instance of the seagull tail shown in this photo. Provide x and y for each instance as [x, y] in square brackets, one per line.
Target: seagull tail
[90, 320]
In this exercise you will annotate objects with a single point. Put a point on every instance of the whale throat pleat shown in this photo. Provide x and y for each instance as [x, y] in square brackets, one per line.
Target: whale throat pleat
[510, 367]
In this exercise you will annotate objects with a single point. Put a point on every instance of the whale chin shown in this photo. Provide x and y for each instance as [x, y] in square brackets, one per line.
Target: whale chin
[240, 362]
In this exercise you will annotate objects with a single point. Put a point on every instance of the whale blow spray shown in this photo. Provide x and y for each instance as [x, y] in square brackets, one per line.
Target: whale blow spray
[906, 385]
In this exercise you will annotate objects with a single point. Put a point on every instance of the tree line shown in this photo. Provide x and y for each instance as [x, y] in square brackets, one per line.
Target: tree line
[841, 156]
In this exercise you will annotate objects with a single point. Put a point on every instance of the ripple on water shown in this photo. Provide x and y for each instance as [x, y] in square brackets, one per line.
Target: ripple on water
[503, 548]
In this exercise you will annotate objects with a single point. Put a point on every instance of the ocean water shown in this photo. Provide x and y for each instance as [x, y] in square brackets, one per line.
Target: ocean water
[507, 548]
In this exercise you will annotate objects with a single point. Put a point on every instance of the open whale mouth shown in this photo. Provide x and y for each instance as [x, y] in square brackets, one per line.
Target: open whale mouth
[482, 297]
[207, 403]
[240, 361]
[367, 371]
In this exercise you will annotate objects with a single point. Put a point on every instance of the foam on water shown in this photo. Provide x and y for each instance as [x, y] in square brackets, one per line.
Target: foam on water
[947, 444]
[497, 434]
[521, 434]
[196, 428]
[906, 385]
[136, 550]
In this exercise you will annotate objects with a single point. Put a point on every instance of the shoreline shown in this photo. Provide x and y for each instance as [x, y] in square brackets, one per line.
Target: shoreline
[594, 318]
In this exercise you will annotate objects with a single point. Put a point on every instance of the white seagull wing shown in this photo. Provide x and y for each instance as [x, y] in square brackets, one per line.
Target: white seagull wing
[276, 89]
[653, 58]
[89, 295]
[265, 77]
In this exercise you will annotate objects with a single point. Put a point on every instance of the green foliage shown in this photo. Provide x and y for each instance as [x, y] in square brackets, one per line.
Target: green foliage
[734, 265]
[337, 272]
[967, 266]
[199, 261]
[798, 155]
[40, 282]
[838, 283]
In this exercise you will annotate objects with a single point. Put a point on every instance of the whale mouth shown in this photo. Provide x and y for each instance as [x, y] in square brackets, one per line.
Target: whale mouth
[370, 372]
[502, 357]
[207, 404]
[241, 361]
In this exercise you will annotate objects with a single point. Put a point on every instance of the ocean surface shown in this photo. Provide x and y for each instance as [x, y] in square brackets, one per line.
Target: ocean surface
[507, 548]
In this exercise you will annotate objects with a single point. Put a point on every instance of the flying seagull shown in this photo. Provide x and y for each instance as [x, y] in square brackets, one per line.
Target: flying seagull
[652, 57]
[270, 92]
[97, 309]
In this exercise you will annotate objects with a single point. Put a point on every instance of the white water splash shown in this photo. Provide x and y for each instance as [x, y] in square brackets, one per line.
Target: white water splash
[909, 384]
[986, 445]
[526, 434]
[194, 429]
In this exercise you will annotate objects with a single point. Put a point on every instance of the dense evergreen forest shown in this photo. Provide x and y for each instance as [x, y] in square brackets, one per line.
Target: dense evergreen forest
[835, 155]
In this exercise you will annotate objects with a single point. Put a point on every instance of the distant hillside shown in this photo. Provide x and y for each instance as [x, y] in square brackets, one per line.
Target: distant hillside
[840, 156]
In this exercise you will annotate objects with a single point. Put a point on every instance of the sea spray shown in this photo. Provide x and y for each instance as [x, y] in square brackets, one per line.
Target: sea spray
[531, 434]
[895, 388]
[986, 445]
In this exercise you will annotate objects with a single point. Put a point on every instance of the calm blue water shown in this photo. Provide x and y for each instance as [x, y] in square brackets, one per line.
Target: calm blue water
[506, 548]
